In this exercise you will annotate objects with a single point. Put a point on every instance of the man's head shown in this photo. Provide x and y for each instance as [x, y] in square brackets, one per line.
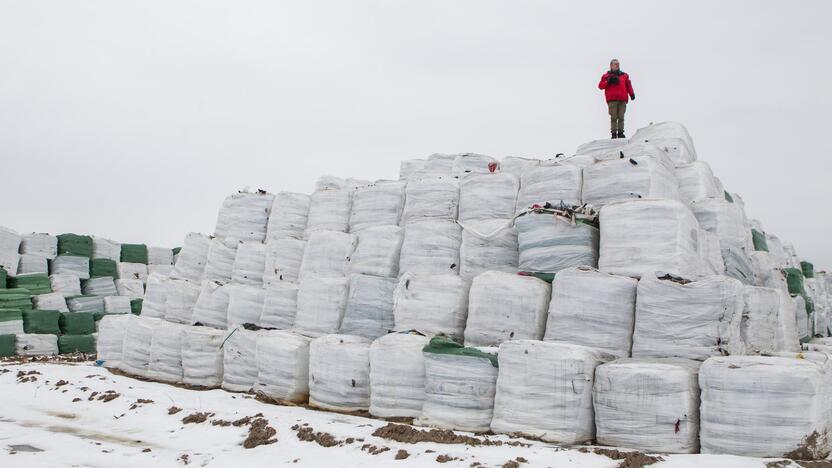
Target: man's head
[614, 66]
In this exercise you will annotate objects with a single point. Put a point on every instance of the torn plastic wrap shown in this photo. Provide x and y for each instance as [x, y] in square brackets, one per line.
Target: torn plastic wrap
[321, 305]
[283, 366]
[550, 243]
[339, 373]
[378, 204]
[378, 251]
[487, 196]
[431, 304]
[397, 375]
[431, 247]
[369, 309]
[488, 245]
[555, 184]
[328, 253]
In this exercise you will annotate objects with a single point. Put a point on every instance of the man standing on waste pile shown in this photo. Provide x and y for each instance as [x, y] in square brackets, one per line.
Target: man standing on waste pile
[617, 88]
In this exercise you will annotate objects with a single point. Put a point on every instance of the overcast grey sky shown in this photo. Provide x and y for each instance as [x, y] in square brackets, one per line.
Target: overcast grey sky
[132, 120]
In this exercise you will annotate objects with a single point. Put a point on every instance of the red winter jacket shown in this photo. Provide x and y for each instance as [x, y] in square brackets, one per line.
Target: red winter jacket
[619, 91]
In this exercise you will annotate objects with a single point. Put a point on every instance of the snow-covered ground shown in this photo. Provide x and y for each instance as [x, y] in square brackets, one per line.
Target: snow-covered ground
[63, 416]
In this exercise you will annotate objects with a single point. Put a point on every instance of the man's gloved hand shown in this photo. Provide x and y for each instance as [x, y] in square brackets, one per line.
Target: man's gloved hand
[613, 80]
[632, 97]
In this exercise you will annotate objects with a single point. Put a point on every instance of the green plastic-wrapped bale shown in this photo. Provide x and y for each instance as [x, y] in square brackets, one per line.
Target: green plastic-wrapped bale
[794, 280]
[443, 345]
[136, 306]
[134, 253]
[42, 322]
[3, 277]
[759, 239]
[15, 298]
[77, 323]
[102, 267]
[7, 345]
[35, 283]
[728, 197]
[68, 344]
[176, 250]
[74, 244]
[808, 269]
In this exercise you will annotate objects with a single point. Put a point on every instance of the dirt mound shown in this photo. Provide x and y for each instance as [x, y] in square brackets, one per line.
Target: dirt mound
[260, 433]
[401, 454]
[196, 418]
[308, 434]
[174, 410]
[411, 435]
[628, 459]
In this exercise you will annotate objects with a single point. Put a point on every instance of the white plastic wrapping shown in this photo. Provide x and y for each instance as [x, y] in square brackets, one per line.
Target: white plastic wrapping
[804, 328]
[369, 310]
[224, 217]
[649, 235]
[104, 286]
[545, 390]
[758, 329]
[487, 196]
[190, 263]
[32, 264]
[431, 198]
[328, 253]
[283, 365]
[29, 344]
[118, 305]
[378, 204]
[726, 220]
[696, 181]
[473, 163]
[431, 247]
[738, 264]
[488, 245]
[711, 253]
[239, 363]
[245, 304]
[66, 284]
[280, 306]
[555, 184]
[505, 306]
[329, 182]
[42, 245]
[459, 392]
[409, 167]
[164, 270]
[378, 251]
[549, 243]
[159, 256]
[249, 264]
[440, 163]
[339, 373]
[51, 301]
[202, 357]
[165, 362]
[250, 216]
[180, 298]
[431, 304]
[694, 320]
[283, 260]
[137, 340]
[397, 375]
[12, 327]
[592, 308]
[219, 263]
[765, 406]
[70, 265]
[106, 248]
[110, 342]
[288, 215]
[211, 306]
[644, 172]
[321, 305]
[132, 288]
[672, 137]
[132, 271]
[648, 404]
[92, 304]
[329, 210]
[9, 246]
[155, 296]
[518, 166]
[601, 146]
[766, 273]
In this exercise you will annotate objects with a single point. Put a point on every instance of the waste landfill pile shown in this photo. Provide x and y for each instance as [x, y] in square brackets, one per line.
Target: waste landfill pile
[620, 295]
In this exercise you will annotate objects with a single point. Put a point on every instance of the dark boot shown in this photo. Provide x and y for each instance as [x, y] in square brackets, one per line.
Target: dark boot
[614, 135]
[620, 134]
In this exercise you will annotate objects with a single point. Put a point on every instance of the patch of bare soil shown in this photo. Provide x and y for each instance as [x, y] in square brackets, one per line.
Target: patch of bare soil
[174, 409]
[401, 454]
[61, 383]
[239, 422]
[23, 376]
[628, 459]
[196, 418]
[59, 359]
[108, 396]
[260, 433]
[809, 449]
[373, 449]
[445, 458]
[815, 464]
[411, 435]
[139, 402]
[308, 434]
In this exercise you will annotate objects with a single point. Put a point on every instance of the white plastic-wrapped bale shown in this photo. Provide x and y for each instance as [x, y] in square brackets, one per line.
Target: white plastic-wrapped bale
[792, 260]
[329, 210]
[132, 271]
[91, 304]
[165, 361]
[431, 304]
[601, 146]
[487, 196]
[250, 216]
[239, 363]
[191, 261]
[378, 204]
[339, 373]
[29, 263]
[283, 366]
[137, 340]
[801, 316]
[329, 182]
[544, 390]
[765, 407]
[29, 344]
[409, 167]
[648, 404]
[488, 245]
[159, 256]
[321, 305]
[70, 265]
[473, 163]
[110, 342]
[118, 305]
[9, 247]
[42, 245]
[132, 288]
[505, 306]
[397, 375]
[245, 304]
[671, 137]
[431, 198]
[778, 253]
[649, 235]
[759, 325]
[249, 264]
[180, 298]
[51, 301]
[224, 218]
[155, 296]
[518, 166]
[696, 181]
[328, 253]
[592, 308]
[202, 357]
[710, 253]
[369, 310]
[726, 220]
[557, 184]
[288, 215]
[431, 247]
[766, 273]
[737, 262]
[11, 322]
[106, 248]
[378, 251]
[549, 242]
[694, 320]
[280, 306]
[440, 163]
[164, 270]
[219, 264]
[459, 386]
[211, 306]
[284, 258]
[103, 286]
[644, 172]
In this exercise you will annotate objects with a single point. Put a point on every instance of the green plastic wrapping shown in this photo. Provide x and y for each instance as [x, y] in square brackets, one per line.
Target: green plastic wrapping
[35, 283]
[15, 298]
[136, 306]
[74, 244]
[7, 345]
[760, 242]
[7, 315]
[443, 345]
[76, 344]
[3, 278]
[42, 322]
[808, 269]
[794, 280]
[728, 197]
[102, 267]
[77, 323]
[134, 253]
[176, 250]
